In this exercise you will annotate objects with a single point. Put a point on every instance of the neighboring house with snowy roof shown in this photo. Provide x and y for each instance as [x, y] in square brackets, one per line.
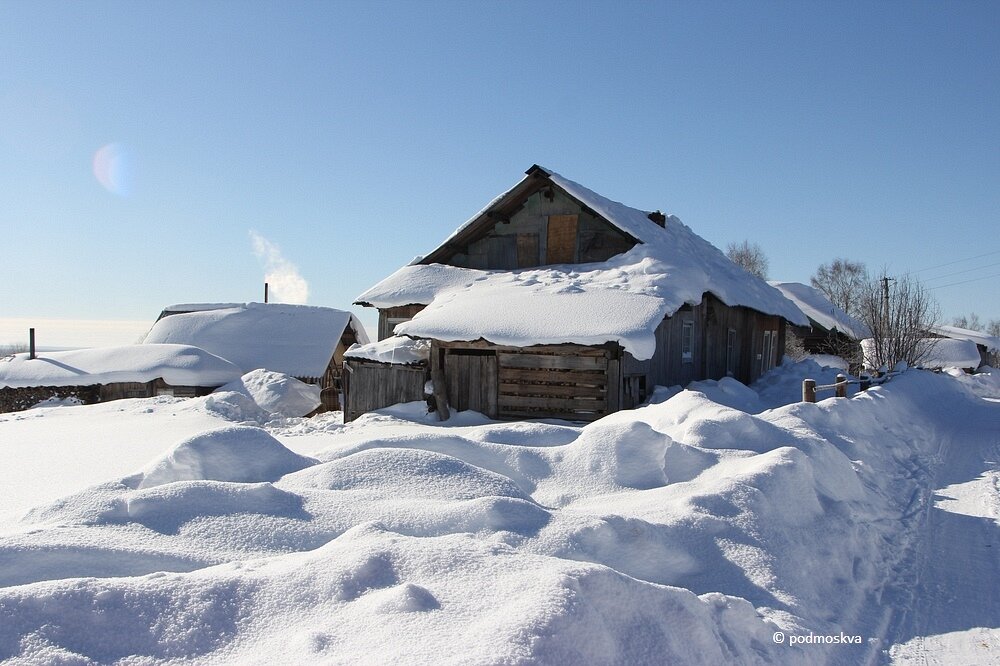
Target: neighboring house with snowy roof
[830, 329]
[303, 341]
[554, 301]
[111, 373]
[987, 345]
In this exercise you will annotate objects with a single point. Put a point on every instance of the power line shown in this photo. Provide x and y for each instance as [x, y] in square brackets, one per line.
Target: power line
[985, 277]
[957, 261]
[967, 270]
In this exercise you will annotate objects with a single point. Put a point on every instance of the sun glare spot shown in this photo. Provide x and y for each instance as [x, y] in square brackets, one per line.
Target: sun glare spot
[113, 169]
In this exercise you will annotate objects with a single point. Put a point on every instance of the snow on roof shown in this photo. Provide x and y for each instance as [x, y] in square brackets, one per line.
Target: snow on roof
[941, 353]
[298, 340]
[600, 302]
[178, 365]
[394, 349]
[991, 342]
[815, 305]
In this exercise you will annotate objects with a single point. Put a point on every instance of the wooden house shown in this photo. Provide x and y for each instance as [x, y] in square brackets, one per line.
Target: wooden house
[111, 373]
[302, 341]
[830, 329]
[555, 302]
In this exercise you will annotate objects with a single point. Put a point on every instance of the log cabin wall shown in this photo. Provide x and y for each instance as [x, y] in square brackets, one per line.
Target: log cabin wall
[710, 340]
[388, 318]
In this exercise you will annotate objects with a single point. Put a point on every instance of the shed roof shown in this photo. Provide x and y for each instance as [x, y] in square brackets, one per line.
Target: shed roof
[178, 365]
[815, 305]
[620, 300]
[298, 340]
[991, 342]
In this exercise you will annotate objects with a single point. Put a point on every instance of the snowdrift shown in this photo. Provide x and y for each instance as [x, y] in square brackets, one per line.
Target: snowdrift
[686, 531]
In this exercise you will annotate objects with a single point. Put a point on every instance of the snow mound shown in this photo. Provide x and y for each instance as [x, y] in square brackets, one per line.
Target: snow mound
[412, 473]
[165, 508]
[276, 393]
[234, 453]
[394, 349]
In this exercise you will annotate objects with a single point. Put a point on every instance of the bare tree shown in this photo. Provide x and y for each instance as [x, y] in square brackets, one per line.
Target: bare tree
[993, 328]
[899, 312]
[795, 348]
[9, 350]
[843, 282]
[750, 257]
[971, 322]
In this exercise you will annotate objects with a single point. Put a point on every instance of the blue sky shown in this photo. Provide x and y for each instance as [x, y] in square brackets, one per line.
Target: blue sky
[355, 136]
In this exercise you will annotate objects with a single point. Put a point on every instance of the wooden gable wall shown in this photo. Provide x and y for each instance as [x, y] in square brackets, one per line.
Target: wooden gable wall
[548, 227]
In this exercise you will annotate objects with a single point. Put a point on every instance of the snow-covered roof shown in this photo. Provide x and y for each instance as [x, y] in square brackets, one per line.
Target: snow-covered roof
[815, 305]
[395, 349]
[991, 342]
[178, 365]
[622, 299]
[941, 353]
[298, 340]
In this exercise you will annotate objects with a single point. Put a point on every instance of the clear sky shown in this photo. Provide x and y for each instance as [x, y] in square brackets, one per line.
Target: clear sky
[165, 152]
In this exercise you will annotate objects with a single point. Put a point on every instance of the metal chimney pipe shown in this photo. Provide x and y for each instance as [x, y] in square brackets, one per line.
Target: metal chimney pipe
[265, 292]
[31, 343]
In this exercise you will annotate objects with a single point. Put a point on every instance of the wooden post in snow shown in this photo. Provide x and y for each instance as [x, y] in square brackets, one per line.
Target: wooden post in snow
[841, 386]
[440, 388]
[808, 390]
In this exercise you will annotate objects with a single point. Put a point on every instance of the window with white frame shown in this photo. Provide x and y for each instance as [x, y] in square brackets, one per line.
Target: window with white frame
[687, 341]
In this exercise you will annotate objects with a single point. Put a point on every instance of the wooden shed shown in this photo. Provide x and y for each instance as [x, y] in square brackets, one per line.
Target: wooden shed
[555, 302]
[111, 373]
[302, 341]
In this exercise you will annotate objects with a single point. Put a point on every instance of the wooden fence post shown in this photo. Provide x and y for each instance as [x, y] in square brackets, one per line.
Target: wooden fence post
[841, 386]
[808, 390]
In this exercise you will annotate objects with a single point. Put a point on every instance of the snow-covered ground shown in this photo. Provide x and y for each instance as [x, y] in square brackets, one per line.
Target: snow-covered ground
[716, 525]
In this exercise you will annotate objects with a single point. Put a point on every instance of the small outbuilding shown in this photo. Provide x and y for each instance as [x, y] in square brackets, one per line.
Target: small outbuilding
[556, 302]
[830, 329]
[111, 373]
[303, 341]
[987, 345]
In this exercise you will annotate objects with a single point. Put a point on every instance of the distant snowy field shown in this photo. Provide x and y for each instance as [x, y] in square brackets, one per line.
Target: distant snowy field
[717, 525]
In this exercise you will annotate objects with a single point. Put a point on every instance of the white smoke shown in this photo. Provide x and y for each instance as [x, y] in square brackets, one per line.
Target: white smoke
[285, 284]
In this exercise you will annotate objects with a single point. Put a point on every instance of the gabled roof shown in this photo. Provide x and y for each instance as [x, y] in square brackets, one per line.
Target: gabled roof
[177, 365]
[821, 312]
[619, 300]
[298, 340]
[991, 342]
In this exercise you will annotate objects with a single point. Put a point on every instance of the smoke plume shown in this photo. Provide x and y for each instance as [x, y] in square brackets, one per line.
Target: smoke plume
[285, 284]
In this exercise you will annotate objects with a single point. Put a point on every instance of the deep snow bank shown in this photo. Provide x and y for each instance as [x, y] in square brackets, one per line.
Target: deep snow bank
[682, 532]
[276, 393]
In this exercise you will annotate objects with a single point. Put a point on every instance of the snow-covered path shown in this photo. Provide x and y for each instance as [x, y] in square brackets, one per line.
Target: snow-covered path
[955, 614]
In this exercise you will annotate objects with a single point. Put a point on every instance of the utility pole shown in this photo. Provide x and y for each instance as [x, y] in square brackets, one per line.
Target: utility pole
[885, 302]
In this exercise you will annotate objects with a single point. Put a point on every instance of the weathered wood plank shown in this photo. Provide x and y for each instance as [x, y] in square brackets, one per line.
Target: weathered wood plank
[553, 361]
[553, 376]
[551, 403]
[564, 391]
[565, 416]
[567, 348]
[561, 239]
